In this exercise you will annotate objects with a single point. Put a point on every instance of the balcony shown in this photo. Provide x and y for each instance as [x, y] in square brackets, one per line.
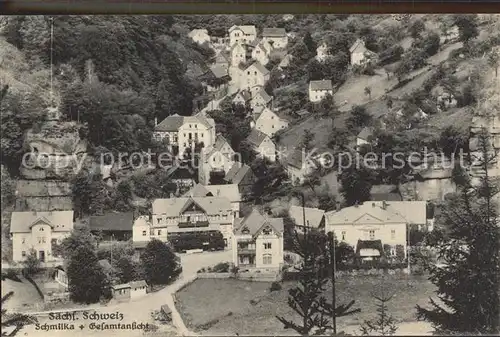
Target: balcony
[191, 224]
[246, 251]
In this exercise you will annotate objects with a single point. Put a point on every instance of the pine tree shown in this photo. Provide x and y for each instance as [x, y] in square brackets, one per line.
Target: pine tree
[385, 324]
[467, 239]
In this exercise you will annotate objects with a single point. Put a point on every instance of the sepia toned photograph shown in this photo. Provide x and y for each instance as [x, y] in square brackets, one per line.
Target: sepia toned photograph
[250, 175]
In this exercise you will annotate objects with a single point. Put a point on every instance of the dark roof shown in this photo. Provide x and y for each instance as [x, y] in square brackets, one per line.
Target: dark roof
[274, 32]
[370, 244]
[321, 85]
[295, 159]
[112, 222]
[237, 172]
[366, 133]
[256, 137]
[171, 123]
[219, 71]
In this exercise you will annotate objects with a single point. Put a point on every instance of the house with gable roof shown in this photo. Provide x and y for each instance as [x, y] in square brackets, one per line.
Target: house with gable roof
[319, 90]
[242, 97]
[253, 75]
[360, 55]
[258, 242]
[242, 34]
[261, 52]
[222, 59]
[182, 132]
[365, 136]
[238, 54]
[186, 214]
[315, 218]
[269, 122]
[262, 144]
[199, 36]
[39, 231]
[218, 157]
[260, 98]
[241, 175]
[276, 37]
[229, 191]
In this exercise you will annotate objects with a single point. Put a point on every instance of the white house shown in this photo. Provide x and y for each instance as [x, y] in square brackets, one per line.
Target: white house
[314, 218]
[180, 132]
[242, 97]
[365, 136]
[262, 144]
[242, 34]
[138, 289]
[229, 191]
[276, 37]
[380, 222]
[39, 231]
[199, 36]
[219, 157]
[322, 52]
[319, 90]
[360, 55]
[183, 215]
[261, 53]
[254, 75]
[269, 122]
[258, 242]
[260, 98]
[238, 54]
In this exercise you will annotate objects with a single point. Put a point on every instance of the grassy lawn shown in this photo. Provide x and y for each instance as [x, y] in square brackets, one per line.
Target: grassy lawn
[232, 312]
[25, 295]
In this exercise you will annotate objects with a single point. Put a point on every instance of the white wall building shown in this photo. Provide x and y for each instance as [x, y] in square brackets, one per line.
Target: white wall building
[319, 90]
[245, 34]
[276, 37]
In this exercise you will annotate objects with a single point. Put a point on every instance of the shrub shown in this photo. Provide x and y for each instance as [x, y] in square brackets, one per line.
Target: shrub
[202, 270]
[275, 286]
[222, 267]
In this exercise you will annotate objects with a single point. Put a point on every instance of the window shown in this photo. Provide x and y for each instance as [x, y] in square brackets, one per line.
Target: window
[158, 220]
[267, 245]
[23, 240]
[393, 233]
[23, 253]
[372, 235]
[343, 235]
[190, 126]
[255, 73]
[43, 240]
[41, 229]
[267, 259]
[143, 233]
[184, 135]
[159, 231]
[248, 72]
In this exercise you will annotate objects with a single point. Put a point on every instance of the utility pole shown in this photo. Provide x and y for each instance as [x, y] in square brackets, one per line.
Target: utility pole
[51, 62]
[334, 299]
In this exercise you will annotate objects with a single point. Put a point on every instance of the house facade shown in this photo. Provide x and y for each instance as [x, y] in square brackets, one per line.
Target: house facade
[319, 90]
[322, 52]
[182, 132]
[242, 97]
[374, 222]
[238, 54]
[39, 231]
[258, 242]
[261, 53]
[276, 37]
[199, 36]
[138, 289]
[229, 191]
[241, 175]
[262, 144]
[186, 214]
[360, 55]
[260, 99]
[269, 122]
[219, 157]
[254, 75]
[242, 34]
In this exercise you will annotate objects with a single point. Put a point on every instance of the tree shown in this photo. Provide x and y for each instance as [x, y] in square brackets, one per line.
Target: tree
[338, 139]
[86, 278]
[160, 263]
[494, 59]
[80, 237]
[417, 27]
[368, 92]
[467, 27]
[356, 184]
[385, 324]
[359, 117]
[271, 180]
[307, 299]
[467, 240]
[307, 142]
[310, 44]
[217, 178]
[31, 264]
[452, 141]
[328, 108]
[123, 196]
[14, 319]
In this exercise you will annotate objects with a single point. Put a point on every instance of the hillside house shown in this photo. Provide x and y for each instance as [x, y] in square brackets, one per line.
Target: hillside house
[229, 191]
[242, 34]
[222, 59]
[315, 218]
[262, 144]
[183, 176]
[112, 226]
[238, 54]
[219, 157]
[269, 122]
[297, 167]
[180, 132]
[216, 80]
[261, 52]
[43, 196]
[285, 62]
[186, 214]
[372, 225]
[199, 36]
[276, 37]
[39, 231]
[319, 90]
[242, 97]
[241, 175]
[360, 55]
[260, 99]
[254, 75]
[322, 52]
[258, 242]
[365, 136]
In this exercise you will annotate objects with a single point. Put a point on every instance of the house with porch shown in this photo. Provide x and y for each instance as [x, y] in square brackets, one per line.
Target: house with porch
[186, 214]
[244, 34]
[112, 226]
[276, 37]
[258, 242]
[39, 232]
[262, 144]
[319, 90]
[220, 157]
